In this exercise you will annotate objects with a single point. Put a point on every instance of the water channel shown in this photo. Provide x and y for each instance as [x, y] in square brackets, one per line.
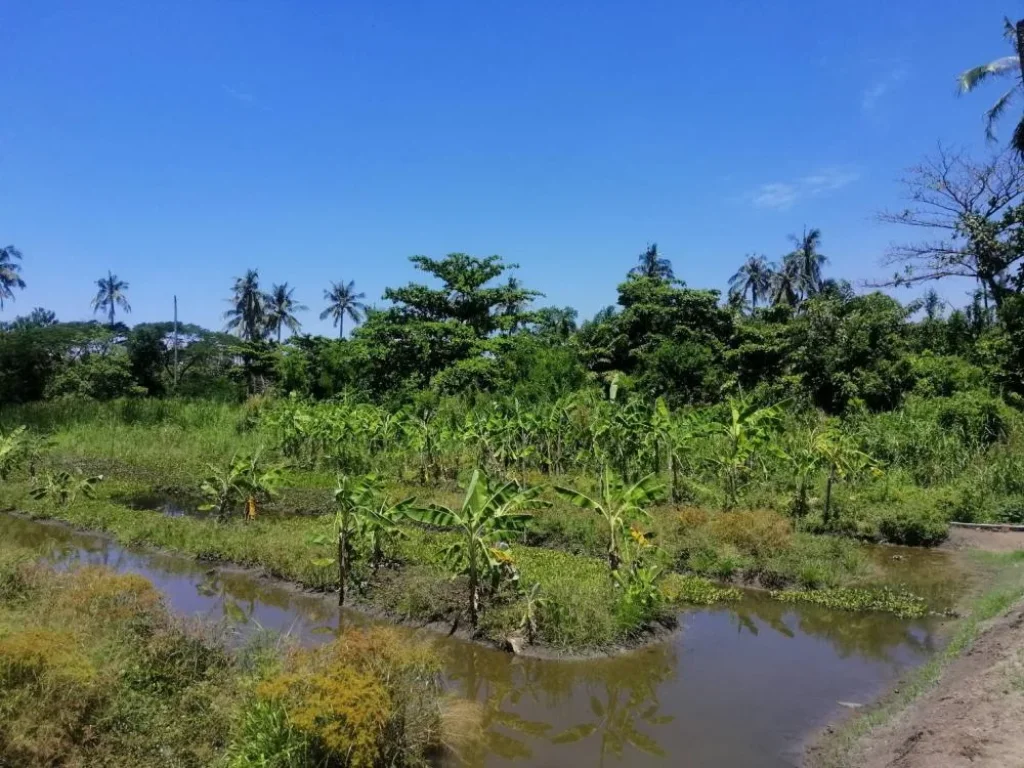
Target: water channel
[743, 685]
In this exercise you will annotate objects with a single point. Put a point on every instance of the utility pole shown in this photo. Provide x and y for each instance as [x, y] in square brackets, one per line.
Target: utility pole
[175, 343]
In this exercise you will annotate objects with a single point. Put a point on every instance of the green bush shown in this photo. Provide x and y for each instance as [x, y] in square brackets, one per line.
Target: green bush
[920, 527]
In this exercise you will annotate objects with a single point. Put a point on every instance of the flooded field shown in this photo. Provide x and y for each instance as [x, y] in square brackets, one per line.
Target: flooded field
[742, 685]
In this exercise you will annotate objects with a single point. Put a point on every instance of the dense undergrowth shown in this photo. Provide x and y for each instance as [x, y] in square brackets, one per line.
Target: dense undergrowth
[94, 671]
[747, 494]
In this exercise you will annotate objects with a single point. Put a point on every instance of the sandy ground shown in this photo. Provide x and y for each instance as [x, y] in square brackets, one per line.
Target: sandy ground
[974, 717]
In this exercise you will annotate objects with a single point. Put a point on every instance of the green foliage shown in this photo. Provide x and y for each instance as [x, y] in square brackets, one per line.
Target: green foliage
[898, 602]
[64, 487]
[240, 486]
[98, 376]
[914, 526]
[484, 525]
[618, 505]
[679, 589]
[13, 450]
[365, 521]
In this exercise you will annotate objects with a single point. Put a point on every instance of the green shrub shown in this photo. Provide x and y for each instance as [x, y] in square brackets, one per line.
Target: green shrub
[920, 527]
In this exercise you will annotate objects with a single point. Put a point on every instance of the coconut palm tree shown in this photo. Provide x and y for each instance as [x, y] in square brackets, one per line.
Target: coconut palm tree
[248, 314]
[652, 264]
[754, 278]
[111, 294]
[787, 282]
[281, 308]
[809, 261]
[1007, 66]
[10, 273]
[343, 300]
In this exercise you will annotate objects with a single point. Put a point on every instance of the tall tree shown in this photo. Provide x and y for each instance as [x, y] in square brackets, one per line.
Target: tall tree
[111, 293]
[753, 279]
[281, 307]
[788, 281]
[343, 300]
[974, 213]
[809, 260]
[10, 273]
[248, 314]
[650, 263]
[1007, 66]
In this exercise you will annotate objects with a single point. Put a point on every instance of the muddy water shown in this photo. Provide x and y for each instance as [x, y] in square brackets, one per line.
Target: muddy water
[738, 686]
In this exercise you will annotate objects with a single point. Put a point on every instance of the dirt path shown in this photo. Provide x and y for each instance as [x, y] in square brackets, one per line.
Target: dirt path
[974, 717]
[988, 539]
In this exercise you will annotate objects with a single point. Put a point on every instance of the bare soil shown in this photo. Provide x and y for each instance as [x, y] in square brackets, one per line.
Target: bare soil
[990, 540]
[973, 717]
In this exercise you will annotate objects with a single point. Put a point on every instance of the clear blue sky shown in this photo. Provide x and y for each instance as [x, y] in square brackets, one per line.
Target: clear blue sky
[178, 143]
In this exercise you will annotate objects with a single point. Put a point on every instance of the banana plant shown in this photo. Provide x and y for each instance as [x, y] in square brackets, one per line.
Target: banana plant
[13, 450]
[65, 487]
[487, 520]
[366, 520]
[242, 485]
[748, 435]
[840, 454]
[618, 506]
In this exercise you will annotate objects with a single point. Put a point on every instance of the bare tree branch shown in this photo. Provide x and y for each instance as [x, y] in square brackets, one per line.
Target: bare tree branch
[975, 208]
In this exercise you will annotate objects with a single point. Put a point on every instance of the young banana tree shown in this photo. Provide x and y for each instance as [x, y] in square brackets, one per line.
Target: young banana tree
[64, 487]
[748, 434]
[13, 450]
[487, 520]
[364, 520]
[838, 452]
[243, 485]
[618, 505]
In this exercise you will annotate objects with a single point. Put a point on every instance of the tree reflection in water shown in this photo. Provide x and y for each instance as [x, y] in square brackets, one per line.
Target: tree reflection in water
[624, 711]
[870, 635]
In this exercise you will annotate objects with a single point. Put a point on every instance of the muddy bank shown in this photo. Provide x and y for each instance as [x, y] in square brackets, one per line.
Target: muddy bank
[972, 717]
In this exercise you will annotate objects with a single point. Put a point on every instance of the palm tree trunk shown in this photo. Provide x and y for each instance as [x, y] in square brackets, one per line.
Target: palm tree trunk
[278, 333]
[341, 327]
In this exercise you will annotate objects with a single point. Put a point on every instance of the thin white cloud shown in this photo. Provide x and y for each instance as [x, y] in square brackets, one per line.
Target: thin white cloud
[242, 96]
[781, 195]
[777, 195]
[875, 92]
[829, 180]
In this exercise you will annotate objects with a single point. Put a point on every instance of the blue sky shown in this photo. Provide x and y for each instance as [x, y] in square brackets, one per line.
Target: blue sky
[179, 143]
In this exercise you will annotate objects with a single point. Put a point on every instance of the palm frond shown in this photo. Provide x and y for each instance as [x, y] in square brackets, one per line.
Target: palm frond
[993, 114]
[972, 78]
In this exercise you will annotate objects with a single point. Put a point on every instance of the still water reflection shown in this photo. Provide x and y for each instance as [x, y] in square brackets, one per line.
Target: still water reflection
[737, 686]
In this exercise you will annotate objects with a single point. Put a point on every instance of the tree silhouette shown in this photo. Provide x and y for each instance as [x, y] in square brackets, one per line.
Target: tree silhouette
[281, 307]
[651, 264]
[753, 279]
[247, 316]
[10, 273]
[111, 293]
[809, 261]
[343, 300]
